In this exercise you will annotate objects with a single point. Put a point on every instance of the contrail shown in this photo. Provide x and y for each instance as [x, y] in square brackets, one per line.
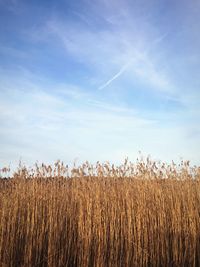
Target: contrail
[115, 76]
[160, 38]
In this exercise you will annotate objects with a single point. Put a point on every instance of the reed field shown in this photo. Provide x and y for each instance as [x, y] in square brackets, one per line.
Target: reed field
[101, 215]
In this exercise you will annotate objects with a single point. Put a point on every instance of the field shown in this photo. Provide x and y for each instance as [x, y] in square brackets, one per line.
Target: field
[142, 214]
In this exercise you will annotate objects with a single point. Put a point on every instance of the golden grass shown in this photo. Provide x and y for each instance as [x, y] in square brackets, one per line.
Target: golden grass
[144, 214]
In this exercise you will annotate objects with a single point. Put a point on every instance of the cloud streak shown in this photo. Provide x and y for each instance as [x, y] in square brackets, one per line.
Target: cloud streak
[105, 50]
[117, 75]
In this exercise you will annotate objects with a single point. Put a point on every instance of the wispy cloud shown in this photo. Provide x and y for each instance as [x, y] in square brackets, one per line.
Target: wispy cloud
[54, 71]
[61, 125]
[106, 50]
[55, 124]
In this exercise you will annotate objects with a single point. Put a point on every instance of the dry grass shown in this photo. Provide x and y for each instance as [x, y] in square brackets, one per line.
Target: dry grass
[144, 214]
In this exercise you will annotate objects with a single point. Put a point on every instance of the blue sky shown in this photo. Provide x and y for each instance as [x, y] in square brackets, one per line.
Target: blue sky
[99, 80]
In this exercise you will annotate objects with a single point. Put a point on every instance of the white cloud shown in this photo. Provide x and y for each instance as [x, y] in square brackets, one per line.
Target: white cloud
[45, 126]
[107, 51]
[45, 120]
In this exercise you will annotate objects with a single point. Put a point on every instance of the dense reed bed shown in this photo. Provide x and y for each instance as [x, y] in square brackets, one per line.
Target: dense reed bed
[143, 214]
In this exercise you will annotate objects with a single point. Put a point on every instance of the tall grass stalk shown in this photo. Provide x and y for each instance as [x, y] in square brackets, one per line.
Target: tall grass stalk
[144, 214]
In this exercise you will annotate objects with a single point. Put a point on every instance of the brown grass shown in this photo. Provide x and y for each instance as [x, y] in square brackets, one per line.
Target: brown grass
[144, 214]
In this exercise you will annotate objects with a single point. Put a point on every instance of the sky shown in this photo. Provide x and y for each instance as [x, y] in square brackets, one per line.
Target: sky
[99, 80]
